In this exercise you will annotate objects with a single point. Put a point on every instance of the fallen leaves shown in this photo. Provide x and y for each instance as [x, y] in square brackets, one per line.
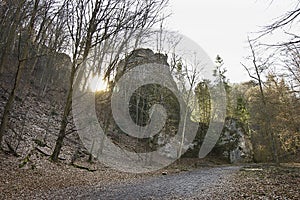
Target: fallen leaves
[268, 183]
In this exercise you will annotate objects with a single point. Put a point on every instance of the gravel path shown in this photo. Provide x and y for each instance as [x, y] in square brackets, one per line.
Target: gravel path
[206, 183]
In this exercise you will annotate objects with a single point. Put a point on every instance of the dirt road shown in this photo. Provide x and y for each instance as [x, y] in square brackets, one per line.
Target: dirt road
[206, 183]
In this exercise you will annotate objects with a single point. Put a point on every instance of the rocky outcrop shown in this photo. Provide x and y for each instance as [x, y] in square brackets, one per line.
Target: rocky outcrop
[235, 142]
[233, 146]
[138, 57]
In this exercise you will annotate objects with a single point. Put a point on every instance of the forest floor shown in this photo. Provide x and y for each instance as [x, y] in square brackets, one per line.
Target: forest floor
[263, 181]
[45, 179]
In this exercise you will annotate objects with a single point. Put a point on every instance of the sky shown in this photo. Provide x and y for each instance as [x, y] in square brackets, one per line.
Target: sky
[222, 27]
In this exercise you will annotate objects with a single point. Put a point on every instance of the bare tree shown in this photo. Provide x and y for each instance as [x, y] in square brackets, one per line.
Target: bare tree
[257, 75]
[90, 24]
[282, 60]
[13, 14]
[22, 58]
[285, 52]
[36, 31]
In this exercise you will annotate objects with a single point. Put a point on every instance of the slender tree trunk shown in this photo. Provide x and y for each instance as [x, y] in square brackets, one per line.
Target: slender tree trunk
[268, 129]
[64, 121]
[184, 125]
[275, 150]
[10, 101]
[21, 64]
[10, 36]
[2, 57]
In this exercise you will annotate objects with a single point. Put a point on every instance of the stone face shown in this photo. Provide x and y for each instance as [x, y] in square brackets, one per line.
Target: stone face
[139, 57]
[234, 142]
[145, 98]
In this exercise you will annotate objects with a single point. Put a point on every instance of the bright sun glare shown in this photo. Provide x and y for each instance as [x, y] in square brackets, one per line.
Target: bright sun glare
[97, 84]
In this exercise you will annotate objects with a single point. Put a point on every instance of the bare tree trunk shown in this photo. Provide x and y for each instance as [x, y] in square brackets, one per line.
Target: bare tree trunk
[103, 23]
[21, 64]
[192, 83]
[11, 35]
[64, 121]
[268, 129]
[10, 101]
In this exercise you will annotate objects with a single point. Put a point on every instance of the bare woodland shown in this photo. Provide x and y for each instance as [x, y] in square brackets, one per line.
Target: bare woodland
[46, 46]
